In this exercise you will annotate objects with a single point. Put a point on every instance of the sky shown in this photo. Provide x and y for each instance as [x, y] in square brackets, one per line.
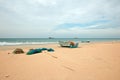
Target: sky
[59, 18]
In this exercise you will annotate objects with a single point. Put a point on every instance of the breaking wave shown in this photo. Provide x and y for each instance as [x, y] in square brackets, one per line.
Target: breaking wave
[23, 43]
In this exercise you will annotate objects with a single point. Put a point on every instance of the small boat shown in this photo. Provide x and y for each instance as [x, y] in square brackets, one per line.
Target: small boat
[51, 38]
[87, 41]
[76, 38]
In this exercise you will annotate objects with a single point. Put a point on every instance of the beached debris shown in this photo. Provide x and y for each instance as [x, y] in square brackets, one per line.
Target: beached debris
[44, 49]
[39, 50]
[18, 51]
[34, 51]
[50, 50]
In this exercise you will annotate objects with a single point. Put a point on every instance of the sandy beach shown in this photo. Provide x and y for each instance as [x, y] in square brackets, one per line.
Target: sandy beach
[91, 61]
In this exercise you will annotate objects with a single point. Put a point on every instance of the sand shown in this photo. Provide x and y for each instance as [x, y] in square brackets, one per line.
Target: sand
[92, 61]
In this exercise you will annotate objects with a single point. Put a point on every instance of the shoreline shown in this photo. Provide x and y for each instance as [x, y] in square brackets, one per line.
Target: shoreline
[42, 41]
[8, 47]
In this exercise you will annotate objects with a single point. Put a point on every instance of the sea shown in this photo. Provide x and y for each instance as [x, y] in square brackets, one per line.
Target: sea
[29, 41]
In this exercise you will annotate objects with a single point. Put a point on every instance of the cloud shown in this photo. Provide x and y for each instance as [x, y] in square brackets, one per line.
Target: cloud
[58, 17]
[85, 25]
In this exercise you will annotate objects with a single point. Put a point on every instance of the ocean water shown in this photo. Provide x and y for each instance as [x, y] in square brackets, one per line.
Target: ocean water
[28, 41]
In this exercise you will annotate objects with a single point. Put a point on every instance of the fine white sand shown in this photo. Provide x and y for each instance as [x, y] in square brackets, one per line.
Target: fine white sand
[92, 61]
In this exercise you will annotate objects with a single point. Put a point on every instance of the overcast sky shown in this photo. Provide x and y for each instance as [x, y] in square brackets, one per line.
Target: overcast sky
[59, 18]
